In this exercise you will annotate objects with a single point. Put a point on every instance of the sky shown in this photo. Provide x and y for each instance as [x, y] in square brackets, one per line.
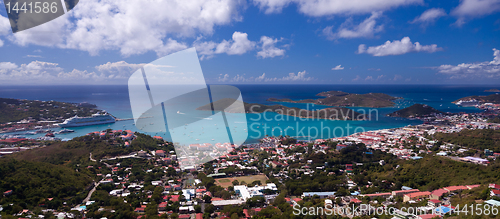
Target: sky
[262, 41]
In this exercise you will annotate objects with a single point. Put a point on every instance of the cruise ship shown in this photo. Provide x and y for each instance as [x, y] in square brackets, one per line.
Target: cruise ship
[472, 102]
[95, 119]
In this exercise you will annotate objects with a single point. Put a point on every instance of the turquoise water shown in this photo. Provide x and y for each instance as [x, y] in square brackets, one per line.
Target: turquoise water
[114, 99]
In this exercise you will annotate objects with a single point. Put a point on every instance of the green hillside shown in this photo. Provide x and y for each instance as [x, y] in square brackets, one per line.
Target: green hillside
[339, 98]
[415, 110]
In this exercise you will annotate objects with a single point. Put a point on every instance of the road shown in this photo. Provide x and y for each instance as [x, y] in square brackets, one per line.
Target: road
[90, 193]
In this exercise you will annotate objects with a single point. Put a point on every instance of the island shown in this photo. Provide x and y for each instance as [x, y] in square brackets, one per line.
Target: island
[416, 110]
[340, 98]
[478, 100]
[332, 113]
[492, 90]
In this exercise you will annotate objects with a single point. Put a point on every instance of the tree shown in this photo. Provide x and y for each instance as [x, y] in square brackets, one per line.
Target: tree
[207, 199]
[235, 183]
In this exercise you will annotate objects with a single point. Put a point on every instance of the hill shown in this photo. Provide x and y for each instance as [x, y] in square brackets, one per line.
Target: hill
[333, 113]
[492, 98]
[33, 183]
[478, 139]
[340, 98]
[416, 110]
[59, 171]
[13, 110]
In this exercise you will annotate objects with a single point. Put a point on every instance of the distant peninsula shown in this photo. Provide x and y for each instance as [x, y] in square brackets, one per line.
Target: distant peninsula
[344, 99]
[492, 98]
[416, 110]
[332, 113]
[492, 90]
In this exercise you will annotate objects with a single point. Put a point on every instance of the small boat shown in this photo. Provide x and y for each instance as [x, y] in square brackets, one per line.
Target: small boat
[50, 134]
[63, 131]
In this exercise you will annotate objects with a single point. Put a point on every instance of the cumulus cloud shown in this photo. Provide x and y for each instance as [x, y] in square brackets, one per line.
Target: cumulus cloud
[4, 27]
[357, 78]
[338, 67]
[239, 45]
[37, 72]
[482, 69]
[269, 49]
[369, 78]
[291, 77]
[429, 16]
[317, 8]
[132, 26]
[469, 9]
[368, 28]
[397, 47]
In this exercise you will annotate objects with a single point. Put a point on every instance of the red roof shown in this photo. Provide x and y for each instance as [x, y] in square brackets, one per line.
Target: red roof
[355, 200]
[439, 192]
[496, 191]
[435, 201]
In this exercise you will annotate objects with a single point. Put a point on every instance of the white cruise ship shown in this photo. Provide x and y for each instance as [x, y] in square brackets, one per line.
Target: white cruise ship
[95, 119]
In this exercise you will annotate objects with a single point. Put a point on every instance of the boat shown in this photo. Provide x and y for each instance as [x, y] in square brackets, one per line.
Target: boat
[50, 134]
[95, 119]
[63, 131]
[472, 102]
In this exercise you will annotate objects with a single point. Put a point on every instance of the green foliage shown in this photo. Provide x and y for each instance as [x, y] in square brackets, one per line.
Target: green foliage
[415, 111]
[477, 139]
[34, 182]
[12, 110]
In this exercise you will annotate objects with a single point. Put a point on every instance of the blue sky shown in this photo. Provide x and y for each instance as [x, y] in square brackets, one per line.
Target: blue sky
[263, 41]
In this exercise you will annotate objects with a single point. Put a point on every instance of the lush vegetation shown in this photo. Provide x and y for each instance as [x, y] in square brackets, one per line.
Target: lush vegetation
[339, 98]
[36, 184]
[12, 110]
[477, 139]
[433, 172]
[415, 110]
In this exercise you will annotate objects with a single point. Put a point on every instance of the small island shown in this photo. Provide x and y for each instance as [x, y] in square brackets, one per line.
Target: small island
[332, 113]
[492, 90]
[344, 99]
[416, 110]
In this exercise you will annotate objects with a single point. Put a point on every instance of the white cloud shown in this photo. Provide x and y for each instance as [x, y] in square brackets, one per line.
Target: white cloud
[269, 50]
[1, 43]
[369, 78]
[37, 72]
[7, 65]
[357, 78]
[240, 44]
[237, 46]
[338, 67]
[380, 77]
[481, 69]
[132, 26]
[319, 8]
[468, 9]
[397, 47]
[291, 77]
[429, 16]
[368, 28]
[4, 27]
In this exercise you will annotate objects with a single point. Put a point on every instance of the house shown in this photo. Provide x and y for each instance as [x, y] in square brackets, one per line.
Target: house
[415, 196]
[495, 192]
[437, 194]
[142, 153]
[340, 147]
[494, 186]
[376, 195]
[434, 203]
[319, 194]
[403, 192]
[160, 153]
[7, 193]
[455, 188]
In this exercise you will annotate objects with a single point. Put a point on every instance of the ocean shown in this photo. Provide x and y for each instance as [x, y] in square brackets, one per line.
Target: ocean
[115, 100]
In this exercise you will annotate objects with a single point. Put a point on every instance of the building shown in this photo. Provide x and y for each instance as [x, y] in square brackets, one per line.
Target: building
[249, 192]
[434, 203]
[403, 192]
[160, 153]
[415, 196]
[319, 194]
[437, 194]
[495, 192]
[376, 195]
